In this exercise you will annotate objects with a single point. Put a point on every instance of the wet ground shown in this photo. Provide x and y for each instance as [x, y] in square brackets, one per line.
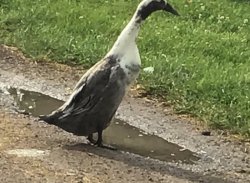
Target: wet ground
[120, 134]
[154, 145]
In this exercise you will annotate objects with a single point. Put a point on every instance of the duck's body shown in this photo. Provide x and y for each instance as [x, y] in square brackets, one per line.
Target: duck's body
[98, 94]
[94, 101]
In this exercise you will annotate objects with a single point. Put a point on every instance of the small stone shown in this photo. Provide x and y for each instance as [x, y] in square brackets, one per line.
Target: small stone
[241, 171]
[183, 149]
[206, 133]
[90, 154]
[150, 179]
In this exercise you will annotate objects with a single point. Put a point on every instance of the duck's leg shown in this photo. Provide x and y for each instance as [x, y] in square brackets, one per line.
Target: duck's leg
[90, 138]
[100, 144]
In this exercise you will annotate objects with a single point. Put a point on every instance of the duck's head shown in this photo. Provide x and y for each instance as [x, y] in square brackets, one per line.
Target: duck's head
[146, 7]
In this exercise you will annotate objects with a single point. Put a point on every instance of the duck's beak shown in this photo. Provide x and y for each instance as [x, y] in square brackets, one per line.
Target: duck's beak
[170, 9]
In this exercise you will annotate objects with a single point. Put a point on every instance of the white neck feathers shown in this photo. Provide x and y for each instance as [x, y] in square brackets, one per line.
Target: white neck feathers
[128, 36]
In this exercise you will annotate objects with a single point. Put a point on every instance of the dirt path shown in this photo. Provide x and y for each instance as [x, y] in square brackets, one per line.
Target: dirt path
[52, 155]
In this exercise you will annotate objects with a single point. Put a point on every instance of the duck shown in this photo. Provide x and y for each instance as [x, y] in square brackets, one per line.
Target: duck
[97, 95]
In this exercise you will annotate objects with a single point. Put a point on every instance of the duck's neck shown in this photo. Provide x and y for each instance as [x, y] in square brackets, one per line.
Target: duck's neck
[128, 35]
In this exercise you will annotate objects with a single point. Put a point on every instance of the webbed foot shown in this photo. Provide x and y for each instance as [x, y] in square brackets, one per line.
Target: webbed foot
[91, 140]
[100, 144]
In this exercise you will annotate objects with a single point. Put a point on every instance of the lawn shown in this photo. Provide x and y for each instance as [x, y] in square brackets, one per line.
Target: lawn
[201, 59]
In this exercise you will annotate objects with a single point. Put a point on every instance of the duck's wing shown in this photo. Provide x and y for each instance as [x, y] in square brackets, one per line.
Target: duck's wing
[88, 91]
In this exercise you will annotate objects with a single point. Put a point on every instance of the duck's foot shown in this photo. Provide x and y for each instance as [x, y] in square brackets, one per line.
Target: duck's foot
[100, 144]
[91, 140]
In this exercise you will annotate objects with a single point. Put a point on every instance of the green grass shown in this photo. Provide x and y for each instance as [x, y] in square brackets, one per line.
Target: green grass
[201, 59]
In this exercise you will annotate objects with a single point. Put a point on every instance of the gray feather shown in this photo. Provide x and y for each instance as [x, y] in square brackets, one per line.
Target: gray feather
[94, 101]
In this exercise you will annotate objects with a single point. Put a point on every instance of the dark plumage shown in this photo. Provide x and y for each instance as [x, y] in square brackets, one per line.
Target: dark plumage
[94, 101]
[98, 94]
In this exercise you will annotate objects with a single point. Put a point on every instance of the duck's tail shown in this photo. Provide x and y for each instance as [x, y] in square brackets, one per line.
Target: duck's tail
[50, 119]
[68, 124]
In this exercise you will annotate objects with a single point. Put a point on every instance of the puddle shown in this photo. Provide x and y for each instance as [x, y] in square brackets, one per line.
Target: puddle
[119, 134]
[33, 102]
[27, 152]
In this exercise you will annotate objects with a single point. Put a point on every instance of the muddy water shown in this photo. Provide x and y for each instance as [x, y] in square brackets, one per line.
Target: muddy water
[120, 134]
[33, 102]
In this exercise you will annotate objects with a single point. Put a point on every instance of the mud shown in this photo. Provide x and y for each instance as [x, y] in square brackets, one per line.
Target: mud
[69, 159]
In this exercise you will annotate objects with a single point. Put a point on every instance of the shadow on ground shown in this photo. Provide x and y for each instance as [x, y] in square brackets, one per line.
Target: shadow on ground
[147, 164]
